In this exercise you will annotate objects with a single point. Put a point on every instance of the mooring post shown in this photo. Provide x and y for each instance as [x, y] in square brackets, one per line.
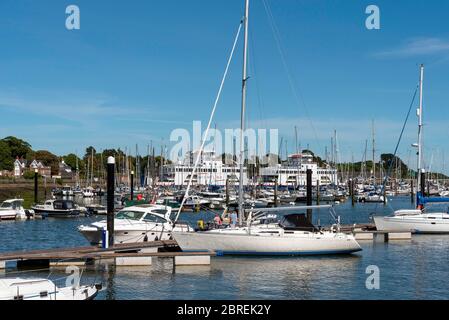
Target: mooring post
[45, 188]
[110, 199]
[412, 199]
[318, 192]
[35, 186]
[352, 192]
[309, 193]
[276, 192]
[423, 183]
[227, 192]
[132, 185]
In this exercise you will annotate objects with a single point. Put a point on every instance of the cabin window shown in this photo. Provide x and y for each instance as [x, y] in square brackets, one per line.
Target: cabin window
[162, 211]
[6, 205]
[133, 215]
[152, 218]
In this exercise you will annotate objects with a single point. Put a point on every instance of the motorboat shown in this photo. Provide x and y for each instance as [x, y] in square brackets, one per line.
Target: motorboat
[44, 289]
[195, 202]
[67, 191]
[12, 209]
[265, 234]
[59, 208]
[96, 209]
[415, 221]
[149, 222]
[88, 192]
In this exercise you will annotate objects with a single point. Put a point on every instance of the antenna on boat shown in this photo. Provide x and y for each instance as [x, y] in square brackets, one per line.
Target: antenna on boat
[242, 118]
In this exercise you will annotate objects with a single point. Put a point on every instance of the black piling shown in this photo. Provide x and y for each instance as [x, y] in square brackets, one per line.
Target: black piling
[412, 199]
[132, 186]
[227, 192]
[423, 184]
[110, 199]
[317, 192]
[351, 185]
[276, 192]
[309, 194]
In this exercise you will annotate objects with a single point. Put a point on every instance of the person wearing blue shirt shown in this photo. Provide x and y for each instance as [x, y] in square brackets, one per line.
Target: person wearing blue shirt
[234, 219]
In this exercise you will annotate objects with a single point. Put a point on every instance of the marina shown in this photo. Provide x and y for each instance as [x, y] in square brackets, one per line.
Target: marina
[243, 150]
[288, 277]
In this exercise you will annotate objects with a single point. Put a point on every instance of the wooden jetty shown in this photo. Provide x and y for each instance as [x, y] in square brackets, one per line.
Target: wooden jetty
[133, 254]
[367, 231]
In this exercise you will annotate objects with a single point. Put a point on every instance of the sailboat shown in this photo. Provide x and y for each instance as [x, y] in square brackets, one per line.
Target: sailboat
[259, 232]
[417, 220]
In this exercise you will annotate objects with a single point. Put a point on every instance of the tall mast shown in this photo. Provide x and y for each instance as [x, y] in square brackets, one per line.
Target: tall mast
[242, 118]
[374, 153]
[420, 126]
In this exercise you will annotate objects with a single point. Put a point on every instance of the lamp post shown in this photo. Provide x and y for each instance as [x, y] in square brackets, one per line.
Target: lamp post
[35, 186]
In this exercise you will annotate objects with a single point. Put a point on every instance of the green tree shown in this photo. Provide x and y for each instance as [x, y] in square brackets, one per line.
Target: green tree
[6, 159]
[71, 160]
[18, 147]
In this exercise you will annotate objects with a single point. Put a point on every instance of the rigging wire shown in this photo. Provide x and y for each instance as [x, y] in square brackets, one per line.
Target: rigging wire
[203, 142]
[299, 98]
[390, 168]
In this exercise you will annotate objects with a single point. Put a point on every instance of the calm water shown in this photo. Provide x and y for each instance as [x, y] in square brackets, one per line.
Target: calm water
[416, 269]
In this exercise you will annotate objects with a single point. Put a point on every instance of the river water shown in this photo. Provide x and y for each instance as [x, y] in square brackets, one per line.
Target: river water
[416, 269]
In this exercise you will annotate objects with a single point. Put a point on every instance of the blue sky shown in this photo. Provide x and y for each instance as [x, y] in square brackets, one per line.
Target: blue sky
[138, 69]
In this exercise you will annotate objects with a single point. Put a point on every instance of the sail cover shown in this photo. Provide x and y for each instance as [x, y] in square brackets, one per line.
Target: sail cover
[297, 222]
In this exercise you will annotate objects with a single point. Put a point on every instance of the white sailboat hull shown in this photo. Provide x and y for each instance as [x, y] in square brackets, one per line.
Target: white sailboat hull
[414, 224]
[244, 244]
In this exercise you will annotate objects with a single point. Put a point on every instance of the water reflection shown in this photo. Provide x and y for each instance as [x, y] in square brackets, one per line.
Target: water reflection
[414, 269]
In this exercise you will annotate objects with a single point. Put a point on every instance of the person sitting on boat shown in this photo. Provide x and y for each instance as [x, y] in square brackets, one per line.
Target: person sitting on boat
[217, 220]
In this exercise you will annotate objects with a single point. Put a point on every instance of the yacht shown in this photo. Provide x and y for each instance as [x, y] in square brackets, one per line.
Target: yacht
[256, 235]
[266, 234]
[12, 209]
[59, 208]
[149, 222]
[415, 221]
[43, 289]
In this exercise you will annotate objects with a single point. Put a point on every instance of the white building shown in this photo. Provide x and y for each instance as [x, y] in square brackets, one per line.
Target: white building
[19, 167]
[210, 171]
[293, 173]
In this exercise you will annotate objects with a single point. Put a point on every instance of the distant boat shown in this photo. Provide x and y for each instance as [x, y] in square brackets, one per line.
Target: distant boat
[417, 221]
[59, 208]
[43, 289]
[67, 191]
[12, 209]
[88, 192]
